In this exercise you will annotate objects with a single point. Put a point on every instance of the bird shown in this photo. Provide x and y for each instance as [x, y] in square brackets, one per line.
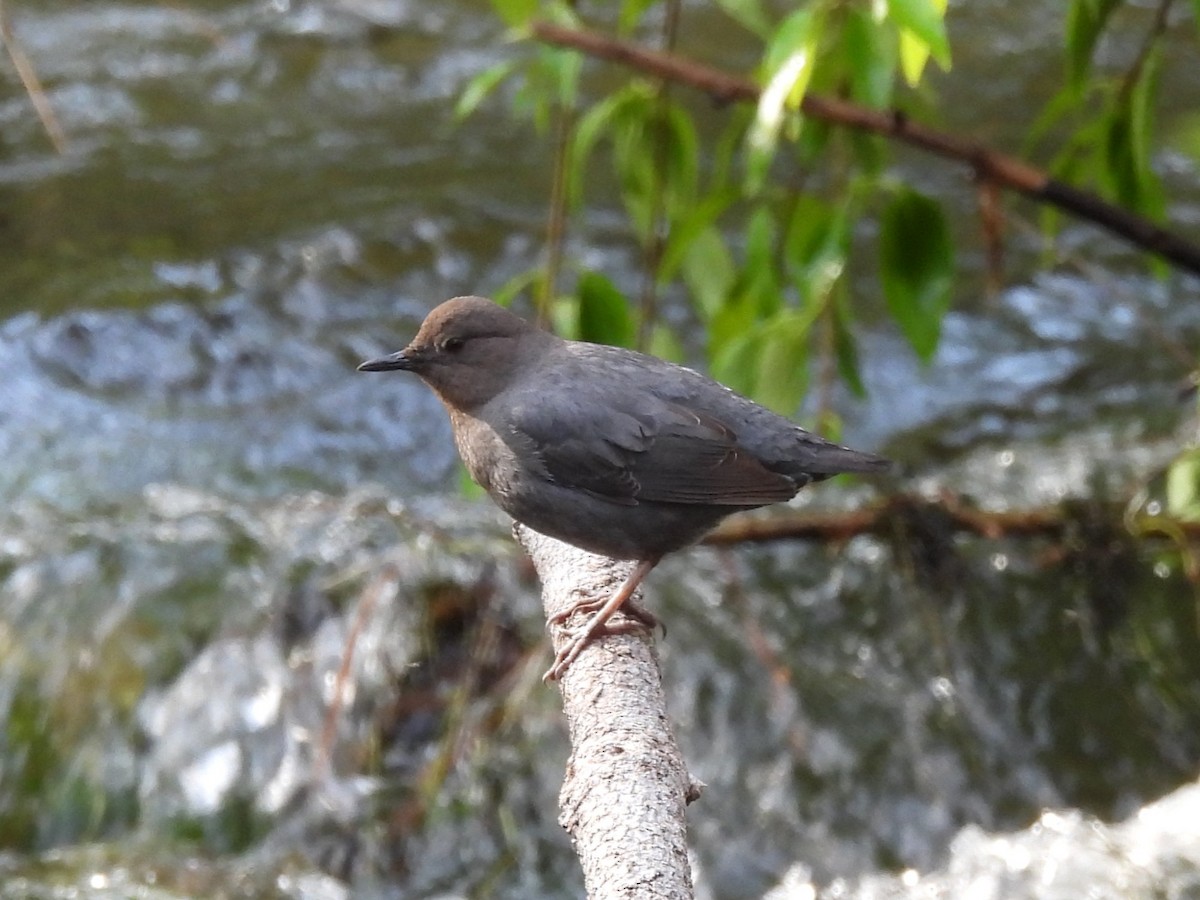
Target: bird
[613, 451]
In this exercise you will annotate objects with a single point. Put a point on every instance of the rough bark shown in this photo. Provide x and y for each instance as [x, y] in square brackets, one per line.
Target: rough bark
[626, 785]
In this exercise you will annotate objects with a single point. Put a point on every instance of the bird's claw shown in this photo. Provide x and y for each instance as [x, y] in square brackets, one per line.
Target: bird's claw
[596, 627]
[600, 611]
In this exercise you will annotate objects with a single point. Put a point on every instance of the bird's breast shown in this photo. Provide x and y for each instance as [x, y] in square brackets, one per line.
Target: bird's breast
[479, 446]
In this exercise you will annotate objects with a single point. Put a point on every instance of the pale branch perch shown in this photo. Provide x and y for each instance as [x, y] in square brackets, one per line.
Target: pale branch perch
[989, 165]
[626, 785]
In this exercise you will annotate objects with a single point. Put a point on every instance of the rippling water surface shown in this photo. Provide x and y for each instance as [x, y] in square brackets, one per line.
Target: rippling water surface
[202, 505]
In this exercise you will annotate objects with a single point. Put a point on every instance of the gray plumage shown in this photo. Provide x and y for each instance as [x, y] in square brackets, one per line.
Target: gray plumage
[614, 451]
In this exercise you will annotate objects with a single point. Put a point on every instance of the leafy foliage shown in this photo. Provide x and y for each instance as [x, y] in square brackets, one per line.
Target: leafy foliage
[916, 259]
[922, 34]
[1085, 22]
[1183, 487]
[603, 312]
[756, 224]
[1109, 114]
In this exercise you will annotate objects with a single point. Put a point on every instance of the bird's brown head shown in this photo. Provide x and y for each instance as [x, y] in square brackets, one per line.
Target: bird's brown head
[467, 349]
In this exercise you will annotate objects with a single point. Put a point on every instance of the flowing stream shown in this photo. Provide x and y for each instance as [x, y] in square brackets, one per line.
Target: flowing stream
[202, 505]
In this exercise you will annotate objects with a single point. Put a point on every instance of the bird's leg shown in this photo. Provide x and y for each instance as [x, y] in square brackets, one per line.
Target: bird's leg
[602, 610]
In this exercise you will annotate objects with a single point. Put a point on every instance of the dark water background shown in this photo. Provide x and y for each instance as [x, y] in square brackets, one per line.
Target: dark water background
[198, 493]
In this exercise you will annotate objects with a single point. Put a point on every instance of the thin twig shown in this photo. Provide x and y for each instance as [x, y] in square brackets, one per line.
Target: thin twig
[1157, 27]
[385, 583]
[659, 225]
[33, 87]
[556, 220]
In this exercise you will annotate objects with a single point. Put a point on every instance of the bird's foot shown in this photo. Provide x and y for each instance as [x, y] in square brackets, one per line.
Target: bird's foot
[601, 610]
[599, 624]
[636, 610]
[587, 607]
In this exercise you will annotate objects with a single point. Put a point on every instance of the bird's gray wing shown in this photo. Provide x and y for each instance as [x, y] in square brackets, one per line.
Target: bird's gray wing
[641, 448]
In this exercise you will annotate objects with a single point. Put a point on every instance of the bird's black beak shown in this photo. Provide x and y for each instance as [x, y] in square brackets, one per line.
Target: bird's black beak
[390, 363]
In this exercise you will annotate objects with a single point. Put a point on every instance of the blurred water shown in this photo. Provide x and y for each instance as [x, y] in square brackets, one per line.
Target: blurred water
[199, 499]
[1062, 856]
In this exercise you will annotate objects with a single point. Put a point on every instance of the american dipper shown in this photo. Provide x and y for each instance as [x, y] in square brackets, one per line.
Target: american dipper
[616, 452]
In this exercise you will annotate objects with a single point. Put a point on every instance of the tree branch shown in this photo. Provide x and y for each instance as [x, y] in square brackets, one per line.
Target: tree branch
[988, 164]
[1051, 521]
[626, 786]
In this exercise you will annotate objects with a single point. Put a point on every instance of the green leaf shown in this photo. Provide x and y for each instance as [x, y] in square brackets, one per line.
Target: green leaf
[917, 260]
[1196, 13]
[560, 12]
[604, 315]
[515, 13]
[738, 318]
[1127, 143]
[922, 34]
[680, 155]
[631, 14]
[1075, 164]
[816, 246]
[552, 74]
[1141, 121]
[870, 59]
[696, 221]
[749, 14]
[794, 34]
[1183, 486]
[566, 66]
[845, 348]
[1085, 22]
[479, 87]
[644, 133]
[768, 359]
[1064, 103]
[564, 317]
[506, 293]
[588, 130]
[783, 363]
[811, 141]
[530, 100]
[760, 237]
[759, 268]
[788, 68]
[633, 157]
[1120, 157]
[759, 285]
[664, 343]
[870, 152]
[734, 360]
[1185, 136]
[708, 271]
[914, 53]
[730, 145]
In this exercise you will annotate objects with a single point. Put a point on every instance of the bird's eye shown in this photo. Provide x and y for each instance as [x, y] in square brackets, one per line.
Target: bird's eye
[453, 344]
